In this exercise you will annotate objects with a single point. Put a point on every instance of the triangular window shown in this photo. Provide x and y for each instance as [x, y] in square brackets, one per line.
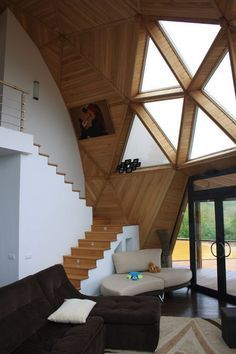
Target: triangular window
[208, 138]
[167, 114]
[157, 74]
[141, 145]
[191, 40]
[221, 87]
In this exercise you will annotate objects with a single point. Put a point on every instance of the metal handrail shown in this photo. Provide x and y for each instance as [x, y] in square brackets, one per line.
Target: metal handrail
[21, 108]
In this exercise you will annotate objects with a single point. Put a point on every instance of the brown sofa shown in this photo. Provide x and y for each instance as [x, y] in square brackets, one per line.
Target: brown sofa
[116, 322]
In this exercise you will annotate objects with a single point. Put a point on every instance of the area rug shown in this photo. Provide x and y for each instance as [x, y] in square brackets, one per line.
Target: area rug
[184, 335]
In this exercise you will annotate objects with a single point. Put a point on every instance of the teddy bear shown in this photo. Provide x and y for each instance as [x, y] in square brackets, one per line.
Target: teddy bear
[153, 268]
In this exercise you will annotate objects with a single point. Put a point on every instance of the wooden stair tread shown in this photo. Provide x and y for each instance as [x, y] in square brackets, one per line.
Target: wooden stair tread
[78, 266]
[88, 248]
[85, 257]
[76, 277]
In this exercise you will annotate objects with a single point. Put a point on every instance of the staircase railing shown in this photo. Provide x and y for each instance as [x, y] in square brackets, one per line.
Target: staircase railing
[12, 106]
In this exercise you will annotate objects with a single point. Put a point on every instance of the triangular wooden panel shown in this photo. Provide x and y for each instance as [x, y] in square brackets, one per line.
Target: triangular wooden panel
[40, 33]
[111, 51]
[189, 9]
[89, 165]
[45, 13]
[108, 206]
[141, 195]
[118, 113]
[80, 83]
[52, 55]
[101, 150]
[166, 217]
[75, 17]
[94, 187]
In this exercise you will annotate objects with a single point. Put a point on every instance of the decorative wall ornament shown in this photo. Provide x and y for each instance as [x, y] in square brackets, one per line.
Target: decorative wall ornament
[92, 120]
[128, 166]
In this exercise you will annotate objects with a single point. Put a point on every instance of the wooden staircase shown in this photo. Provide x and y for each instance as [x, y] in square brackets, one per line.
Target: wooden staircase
[84, 257]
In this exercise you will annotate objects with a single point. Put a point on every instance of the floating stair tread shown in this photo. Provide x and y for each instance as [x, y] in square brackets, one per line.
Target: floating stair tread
[69, 182]
[87, 248]
[76, 190]
[85, 257]
[94, 240]
[78, 266]
[76, 277]
[52, 164]
[60, 173]
[42, 154]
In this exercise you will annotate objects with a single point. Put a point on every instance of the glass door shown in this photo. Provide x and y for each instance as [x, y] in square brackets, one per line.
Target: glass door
[229, 212]
[212, 226]
[205, 244]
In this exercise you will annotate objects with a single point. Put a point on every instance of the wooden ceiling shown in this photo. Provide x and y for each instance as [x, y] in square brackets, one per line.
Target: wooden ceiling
[95, 50]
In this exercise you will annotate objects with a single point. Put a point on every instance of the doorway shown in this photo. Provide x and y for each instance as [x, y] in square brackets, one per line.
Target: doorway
[212, 223]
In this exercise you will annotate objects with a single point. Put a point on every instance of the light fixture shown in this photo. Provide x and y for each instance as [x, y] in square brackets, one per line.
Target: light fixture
[36, 90]
[128, 166]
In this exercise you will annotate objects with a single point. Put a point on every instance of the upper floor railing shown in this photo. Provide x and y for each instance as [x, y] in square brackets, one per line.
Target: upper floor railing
[12, 106]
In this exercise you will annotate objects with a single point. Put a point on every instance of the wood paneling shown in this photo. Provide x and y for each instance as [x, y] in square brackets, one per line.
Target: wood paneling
[95, 50]
[80, 83]
[101, 148]
[112, 51]
[52, 54]
[141, 196]
[191, 9]
[166, 217]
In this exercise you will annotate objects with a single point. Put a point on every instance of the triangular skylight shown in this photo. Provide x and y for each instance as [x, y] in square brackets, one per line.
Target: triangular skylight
[191, 40]
[208, 138]
[221, 88]
[157, 74]
[167, 114]
[141, 145]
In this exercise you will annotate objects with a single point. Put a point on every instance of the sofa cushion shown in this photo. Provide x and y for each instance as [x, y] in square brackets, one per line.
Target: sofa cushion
[60, 338]
[132, 261]
[118, 284]
[72, 311]
[173, 276]
[23, 311]
[56, 286]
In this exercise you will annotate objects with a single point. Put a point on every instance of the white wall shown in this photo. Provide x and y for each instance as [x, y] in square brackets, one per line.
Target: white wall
[128, 240]
[52, 217]
[9, 217]
[47, 119]
[16, 141]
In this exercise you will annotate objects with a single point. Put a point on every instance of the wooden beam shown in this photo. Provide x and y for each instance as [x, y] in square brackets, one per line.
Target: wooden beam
[215, 113]
[232, 53]
[121, 140]
[139, 60]
[156, 132]
[206, 160]
[169, 54]
[186, 129]
[208, 64]
[159, 95]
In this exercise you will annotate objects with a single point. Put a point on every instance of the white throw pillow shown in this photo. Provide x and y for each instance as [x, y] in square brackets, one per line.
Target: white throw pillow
[72, 311]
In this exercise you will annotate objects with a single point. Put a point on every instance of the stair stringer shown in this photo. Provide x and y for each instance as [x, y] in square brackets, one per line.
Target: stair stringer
[127, 240]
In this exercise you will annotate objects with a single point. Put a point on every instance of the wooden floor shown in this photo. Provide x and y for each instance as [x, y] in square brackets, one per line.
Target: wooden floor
[191, 304]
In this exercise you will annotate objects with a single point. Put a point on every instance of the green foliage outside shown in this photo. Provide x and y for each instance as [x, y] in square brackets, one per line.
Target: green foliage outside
[207, 225]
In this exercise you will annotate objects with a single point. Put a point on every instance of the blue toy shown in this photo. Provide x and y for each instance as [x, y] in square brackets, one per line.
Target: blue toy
[134, 276]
